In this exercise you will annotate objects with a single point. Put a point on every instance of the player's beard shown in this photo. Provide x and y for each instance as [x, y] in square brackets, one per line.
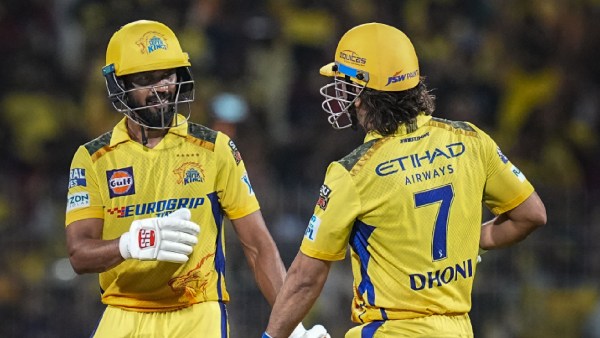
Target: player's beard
[353, 117]
[157, 117]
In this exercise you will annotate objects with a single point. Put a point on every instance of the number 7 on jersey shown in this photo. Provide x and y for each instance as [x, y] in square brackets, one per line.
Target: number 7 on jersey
[445, 195]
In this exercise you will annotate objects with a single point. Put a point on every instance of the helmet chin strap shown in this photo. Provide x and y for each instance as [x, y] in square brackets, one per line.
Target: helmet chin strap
[144, 136]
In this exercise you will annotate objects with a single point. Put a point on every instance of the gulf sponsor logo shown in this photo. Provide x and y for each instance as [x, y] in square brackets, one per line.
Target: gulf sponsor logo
[120, 182]
[77, 178]
[78, 200]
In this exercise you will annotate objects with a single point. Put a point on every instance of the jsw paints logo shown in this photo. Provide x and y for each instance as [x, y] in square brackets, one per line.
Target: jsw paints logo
[401, 77]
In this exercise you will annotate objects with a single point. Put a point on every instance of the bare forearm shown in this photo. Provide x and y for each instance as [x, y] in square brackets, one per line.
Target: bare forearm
[94, 255]
[514, 225]
[296, 301]
[269, 272]
[502, 232]
[302, 287]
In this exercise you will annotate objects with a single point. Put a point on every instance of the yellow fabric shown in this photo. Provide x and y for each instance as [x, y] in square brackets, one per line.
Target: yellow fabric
[423, 327]
[181, 171]
[199, 320]
[409, 205]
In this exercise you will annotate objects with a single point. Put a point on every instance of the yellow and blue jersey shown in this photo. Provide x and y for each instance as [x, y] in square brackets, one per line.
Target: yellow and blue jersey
[409, 206]
[119, 180]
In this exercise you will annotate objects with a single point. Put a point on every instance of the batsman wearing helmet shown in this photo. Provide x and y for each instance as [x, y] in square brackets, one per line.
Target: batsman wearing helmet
[146, 201]
[407, 201]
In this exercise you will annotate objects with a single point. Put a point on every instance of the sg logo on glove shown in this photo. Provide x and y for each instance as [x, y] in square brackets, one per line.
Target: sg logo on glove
[146, 238]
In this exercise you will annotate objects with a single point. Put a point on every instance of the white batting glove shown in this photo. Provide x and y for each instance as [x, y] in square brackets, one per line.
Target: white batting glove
[169, 239]
[317, 331]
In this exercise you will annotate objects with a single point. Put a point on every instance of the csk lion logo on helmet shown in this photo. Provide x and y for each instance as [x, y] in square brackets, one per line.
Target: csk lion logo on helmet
[152, 41]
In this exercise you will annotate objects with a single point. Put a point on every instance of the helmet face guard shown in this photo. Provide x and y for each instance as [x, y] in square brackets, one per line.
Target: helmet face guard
[170, 111]
[341, 94]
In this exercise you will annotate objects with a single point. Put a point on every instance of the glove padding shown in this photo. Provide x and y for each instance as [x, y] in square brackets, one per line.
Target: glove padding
[317, 331]
[169, 239]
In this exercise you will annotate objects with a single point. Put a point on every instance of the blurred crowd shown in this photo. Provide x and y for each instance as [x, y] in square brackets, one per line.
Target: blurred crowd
[527, 72]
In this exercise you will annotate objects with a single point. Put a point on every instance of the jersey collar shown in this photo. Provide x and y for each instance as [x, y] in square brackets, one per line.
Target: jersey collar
[421, 120]
[120, 133]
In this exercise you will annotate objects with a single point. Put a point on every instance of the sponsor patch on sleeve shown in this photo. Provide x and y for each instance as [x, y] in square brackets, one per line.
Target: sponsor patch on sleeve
[77, 178]
[313, 228]
[235, 152]
[78, 200]
[518, 173]
[246, 181]
[324, 193]
[503, 158]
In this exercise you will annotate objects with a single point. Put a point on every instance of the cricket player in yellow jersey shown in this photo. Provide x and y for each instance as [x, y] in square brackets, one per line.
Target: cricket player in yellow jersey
[147, 200]
[407, 201]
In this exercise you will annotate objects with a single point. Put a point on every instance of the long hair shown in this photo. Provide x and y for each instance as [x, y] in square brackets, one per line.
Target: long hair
[386, 111]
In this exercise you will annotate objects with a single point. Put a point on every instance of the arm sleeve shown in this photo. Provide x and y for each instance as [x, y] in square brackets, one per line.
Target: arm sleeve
[236, 195]
[338, 206]
[83, 197]
[506, 186]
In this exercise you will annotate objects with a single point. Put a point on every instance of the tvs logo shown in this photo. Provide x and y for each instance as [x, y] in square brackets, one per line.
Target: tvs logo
[146, 238]
[120, 182]
[323, 200]
[352, 57]
[152, 41]
[189, 172]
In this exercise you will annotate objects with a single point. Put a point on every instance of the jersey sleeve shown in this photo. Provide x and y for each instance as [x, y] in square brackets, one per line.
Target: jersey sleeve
[506, 186]
[236, 195]
[338, 206]
[83, 197]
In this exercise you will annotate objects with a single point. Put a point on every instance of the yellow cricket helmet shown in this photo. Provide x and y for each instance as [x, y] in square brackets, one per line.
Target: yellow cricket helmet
[142, 46]
[371, 55]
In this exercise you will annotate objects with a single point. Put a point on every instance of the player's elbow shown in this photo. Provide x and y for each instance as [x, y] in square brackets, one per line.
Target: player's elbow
[77, 267]
[538, 217]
